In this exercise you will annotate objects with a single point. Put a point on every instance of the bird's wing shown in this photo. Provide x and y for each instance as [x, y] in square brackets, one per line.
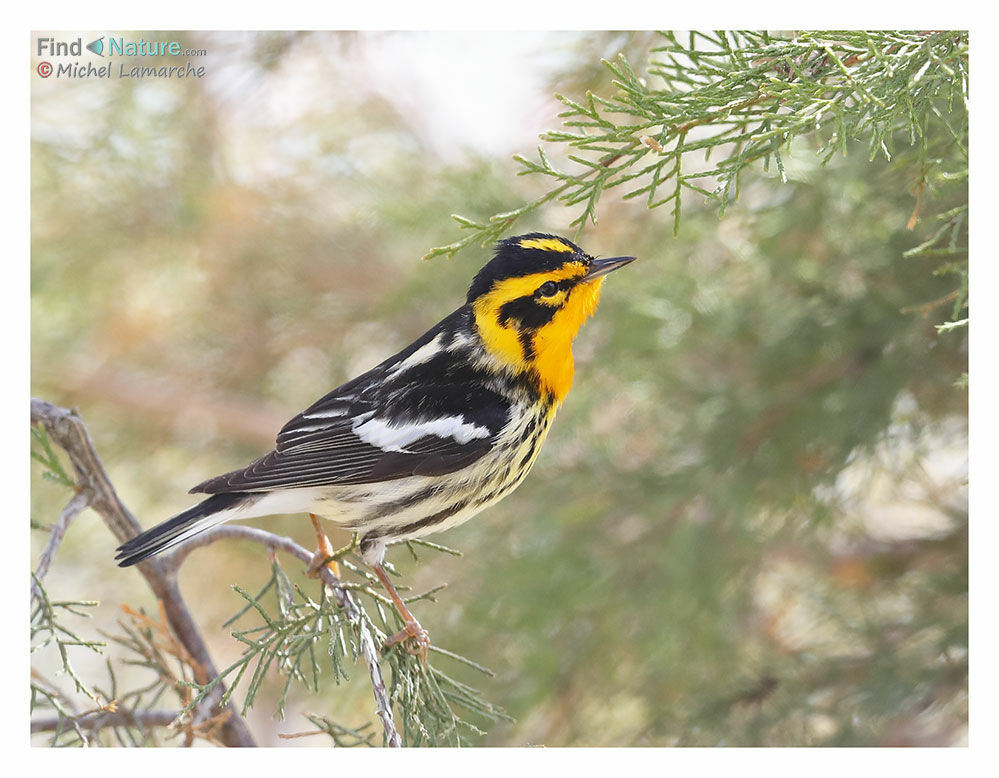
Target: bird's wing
[380, 432]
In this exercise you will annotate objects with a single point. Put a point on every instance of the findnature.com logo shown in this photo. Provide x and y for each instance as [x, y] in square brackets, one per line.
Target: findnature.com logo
[111, 46]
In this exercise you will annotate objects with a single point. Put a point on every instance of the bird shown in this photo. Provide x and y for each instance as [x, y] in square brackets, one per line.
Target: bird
[432, 435]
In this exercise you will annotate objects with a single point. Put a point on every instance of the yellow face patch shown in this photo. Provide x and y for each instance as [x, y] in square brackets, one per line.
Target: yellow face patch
[502, 341]
[551, 357]
[556, 300]
[545, 244]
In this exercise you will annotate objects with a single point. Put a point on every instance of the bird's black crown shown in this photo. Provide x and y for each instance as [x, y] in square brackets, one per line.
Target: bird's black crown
[522, 255]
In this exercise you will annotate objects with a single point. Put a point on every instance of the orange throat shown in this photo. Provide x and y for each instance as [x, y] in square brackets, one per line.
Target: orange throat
[544, 354]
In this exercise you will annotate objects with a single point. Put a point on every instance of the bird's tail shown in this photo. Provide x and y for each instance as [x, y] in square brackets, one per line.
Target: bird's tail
[205, 515]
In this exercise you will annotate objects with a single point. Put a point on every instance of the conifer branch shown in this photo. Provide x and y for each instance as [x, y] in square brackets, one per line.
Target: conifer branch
[710, 105]
[333, 585]
[67, 430]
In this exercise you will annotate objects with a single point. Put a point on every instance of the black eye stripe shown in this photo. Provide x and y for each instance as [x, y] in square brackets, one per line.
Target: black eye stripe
[526, 312]
[547, 289]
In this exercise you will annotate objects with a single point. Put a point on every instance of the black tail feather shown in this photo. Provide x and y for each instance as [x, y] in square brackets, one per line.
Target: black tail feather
[164, 535]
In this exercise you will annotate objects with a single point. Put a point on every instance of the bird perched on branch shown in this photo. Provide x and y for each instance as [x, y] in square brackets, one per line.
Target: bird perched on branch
[432, 435]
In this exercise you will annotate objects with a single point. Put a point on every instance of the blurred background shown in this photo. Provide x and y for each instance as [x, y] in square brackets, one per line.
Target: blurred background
[749, 524]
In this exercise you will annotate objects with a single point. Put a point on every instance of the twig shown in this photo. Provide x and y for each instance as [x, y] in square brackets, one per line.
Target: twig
[342, 596]
[73, 509]
[95, 720]
[925, 308]
[914, 217]
[67, 429]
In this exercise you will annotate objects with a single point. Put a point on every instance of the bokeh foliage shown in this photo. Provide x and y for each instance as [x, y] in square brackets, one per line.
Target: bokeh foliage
[749, 525]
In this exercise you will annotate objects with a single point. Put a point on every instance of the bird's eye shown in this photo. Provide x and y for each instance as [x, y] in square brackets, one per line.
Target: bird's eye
[547, 289]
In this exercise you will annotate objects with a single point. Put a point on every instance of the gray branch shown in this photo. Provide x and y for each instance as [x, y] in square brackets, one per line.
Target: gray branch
[98, 720]
[73, 508]
[67, 429]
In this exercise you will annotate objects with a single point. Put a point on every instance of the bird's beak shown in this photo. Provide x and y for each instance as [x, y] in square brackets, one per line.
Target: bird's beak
[601, 267]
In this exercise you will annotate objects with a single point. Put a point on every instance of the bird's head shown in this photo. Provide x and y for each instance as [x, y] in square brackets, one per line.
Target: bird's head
[530, 300]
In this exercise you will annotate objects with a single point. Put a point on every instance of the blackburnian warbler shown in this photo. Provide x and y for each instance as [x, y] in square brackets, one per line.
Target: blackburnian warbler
[432, 435]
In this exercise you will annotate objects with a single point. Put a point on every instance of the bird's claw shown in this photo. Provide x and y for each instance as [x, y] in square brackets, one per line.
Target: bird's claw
[418, 634]
[319, 561]
[324, 557]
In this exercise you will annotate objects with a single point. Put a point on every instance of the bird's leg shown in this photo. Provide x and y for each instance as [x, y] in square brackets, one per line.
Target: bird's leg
[413, 628]
[324, 556]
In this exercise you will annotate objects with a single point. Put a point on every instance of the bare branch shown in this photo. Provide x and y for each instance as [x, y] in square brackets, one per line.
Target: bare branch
[73, 508]
[96, 720]
[67, 429]
[336, 588]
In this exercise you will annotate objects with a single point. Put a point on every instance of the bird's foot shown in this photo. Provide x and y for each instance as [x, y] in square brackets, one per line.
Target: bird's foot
[412, 631]
[325, 556]
[322, 558]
